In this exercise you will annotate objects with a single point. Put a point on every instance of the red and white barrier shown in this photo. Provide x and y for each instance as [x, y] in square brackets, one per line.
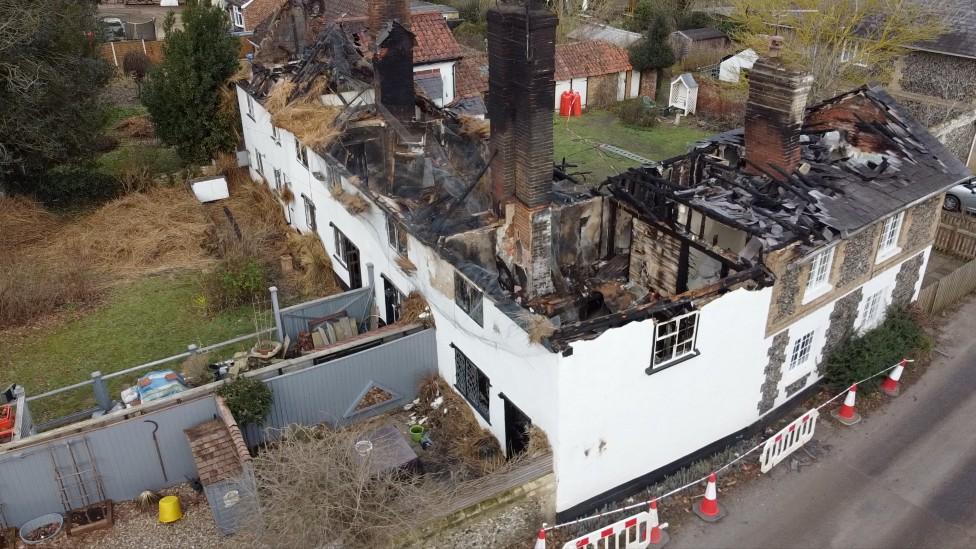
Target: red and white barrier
[788, 440]
[847, 413]
[657, 534]
[629, 533]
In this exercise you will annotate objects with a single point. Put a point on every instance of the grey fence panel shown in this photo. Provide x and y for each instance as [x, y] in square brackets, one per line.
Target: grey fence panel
[124, 453]
[295, 319]
[329, 392]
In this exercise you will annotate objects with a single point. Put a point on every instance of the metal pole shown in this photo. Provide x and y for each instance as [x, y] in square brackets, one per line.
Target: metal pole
[101, 392]
[369, 274]
[276, 310]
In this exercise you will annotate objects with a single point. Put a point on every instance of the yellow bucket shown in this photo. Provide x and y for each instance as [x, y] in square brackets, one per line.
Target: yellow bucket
[169, 509]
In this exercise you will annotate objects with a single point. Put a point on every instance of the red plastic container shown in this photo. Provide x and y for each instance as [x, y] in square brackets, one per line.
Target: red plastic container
[6, 417]
[565, 103]
[577, 104]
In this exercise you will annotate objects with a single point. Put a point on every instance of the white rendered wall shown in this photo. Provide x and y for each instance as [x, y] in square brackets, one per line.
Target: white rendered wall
[634, 84]
[524, 371]
[621, 85]
[447, 78]
[579, 85]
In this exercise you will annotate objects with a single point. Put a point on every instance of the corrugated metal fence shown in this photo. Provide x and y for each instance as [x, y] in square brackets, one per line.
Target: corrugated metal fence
[355, 303]
[330, 392]
[124, 454]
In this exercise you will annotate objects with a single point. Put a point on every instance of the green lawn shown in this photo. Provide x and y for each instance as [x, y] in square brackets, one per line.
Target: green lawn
[132, 156]
[576, 139]
[149, 319]
[118, 113]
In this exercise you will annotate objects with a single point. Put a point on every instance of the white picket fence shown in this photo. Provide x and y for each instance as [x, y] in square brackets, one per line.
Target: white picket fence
[788, 440]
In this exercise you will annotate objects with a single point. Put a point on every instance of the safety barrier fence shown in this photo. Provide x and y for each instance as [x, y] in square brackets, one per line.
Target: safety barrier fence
[791, 445]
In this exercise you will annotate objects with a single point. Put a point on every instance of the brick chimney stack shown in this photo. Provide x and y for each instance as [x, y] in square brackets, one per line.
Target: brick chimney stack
[521, 85]
[381, 12]
[774, 114]
[389, 28]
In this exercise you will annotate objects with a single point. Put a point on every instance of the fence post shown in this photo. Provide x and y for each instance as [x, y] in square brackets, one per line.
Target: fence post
[276, 310]
[102, 397]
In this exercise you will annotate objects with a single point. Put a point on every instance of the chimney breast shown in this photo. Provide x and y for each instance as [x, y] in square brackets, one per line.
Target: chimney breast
[389, 26]
[774, 114]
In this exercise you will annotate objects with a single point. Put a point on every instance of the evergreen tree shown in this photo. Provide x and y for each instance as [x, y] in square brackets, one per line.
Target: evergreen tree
[653, 50]
[182, 93]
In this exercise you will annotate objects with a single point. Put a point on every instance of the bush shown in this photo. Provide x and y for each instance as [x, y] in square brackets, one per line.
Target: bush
[638, 112]
[249, 400]
[236, 280]
[472, 34]
[901, 335]
[74, 186]
[653, 50]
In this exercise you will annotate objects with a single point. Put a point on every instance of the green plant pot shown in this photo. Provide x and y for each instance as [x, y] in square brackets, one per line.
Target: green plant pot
[416, 432]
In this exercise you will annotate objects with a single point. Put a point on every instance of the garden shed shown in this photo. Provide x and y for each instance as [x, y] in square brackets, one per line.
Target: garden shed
[684, 93]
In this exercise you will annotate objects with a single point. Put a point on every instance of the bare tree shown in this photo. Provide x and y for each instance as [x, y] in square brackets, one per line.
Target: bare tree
[842, 43]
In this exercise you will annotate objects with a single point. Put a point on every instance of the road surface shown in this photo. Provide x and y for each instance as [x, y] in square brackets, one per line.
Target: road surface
[904, 477]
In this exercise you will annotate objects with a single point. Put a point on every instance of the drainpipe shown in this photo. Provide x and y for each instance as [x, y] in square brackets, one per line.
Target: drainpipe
[276, 310]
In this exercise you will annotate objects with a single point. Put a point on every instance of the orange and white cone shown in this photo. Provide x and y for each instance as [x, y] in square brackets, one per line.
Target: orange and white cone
[847, 413]
[540, 540]
[658, 536]
[708, 508]
[890, 385]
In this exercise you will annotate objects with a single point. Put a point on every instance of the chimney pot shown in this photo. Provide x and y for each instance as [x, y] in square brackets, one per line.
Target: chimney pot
[775, 46]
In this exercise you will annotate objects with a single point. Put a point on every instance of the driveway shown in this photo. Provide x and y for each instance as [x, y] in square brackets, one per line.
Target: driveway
[903, 478]
[141, 14]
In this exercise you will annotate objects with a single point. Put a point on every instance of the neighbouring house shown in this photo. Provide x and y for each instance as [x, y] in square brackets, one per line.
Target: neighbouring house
[734, 66]
[246, 15]
[600, 31]
[684, 93]
[704, 43]
[295, 26]
[641, 324]
[598, 70]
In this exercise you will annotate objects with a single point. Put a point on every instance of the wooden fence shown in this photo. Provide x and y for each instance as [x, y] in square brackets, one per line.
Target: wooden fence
[936, 297]
[957, 235]
[115, 52]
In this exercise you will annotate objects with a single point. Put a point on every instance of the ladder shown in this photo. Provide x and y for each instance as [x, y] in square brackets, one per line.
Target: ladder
[79, 482]
[623, 153]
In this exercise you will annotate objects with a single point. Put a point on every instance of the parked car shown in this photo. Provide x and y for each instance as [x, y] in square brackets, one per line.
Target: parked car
[961, 198]
[113, 29]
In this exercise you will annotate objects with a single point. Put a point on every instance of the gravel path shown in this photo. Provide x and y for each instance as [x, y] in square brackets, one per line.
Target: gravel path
[135, 529]
[499, 529]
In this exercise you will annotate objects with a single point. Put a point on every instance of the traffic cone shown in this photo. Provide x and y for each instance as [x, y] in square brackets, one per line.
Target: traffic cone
[659, 538]
[847, 413]
[708, 509]
[540, 541]
[890, 384]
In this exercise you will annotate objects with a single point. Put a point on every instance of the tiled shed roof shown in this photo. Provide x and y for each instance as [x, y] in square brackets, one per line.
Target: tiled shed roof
[435, 41]
[590, 58]
[471, 76]
[216, 455]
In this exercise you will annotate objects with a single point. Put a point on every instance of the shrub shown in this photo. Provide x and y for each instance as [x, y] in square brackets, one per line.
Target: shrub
[74, 186]
[900, 335]
[236, 280]
[196, 370]
[653, 51]
[638, 112]
[249, 400]
[136, 64]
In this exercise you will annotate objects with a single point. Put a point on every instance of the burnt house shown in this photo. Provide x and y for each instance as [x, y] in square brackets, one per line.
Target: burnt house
[639, 323]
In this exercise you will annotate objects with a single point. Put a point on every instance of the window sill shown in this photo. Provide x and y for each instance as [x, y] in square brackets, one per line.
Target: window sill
[651, 370]
[886, 255]
[340, 262]
[811, 294]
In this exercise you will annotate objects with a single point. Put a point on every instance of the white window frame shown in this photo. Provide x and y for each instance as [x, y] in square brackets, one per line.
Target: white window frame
[818, 283]
[237, 16]
[469, 298]
[890, 235]
[278, 180]
[396, 235]
[310, 221]
[275, 135]
[250, 106]
[873, 312]
[687, 345]
[801, 350]
[301, 153]
[260, 162]
[340, 240]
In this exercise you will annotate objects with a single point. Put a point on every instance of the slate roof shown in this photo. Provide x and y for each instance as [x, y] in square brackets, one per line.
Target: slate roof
[435, 41]
[590, 58]
[960, 18]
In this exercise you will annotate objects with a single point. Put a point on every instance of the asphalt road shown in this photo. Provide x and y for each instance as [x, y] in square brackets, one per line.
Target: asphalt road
[903, 478]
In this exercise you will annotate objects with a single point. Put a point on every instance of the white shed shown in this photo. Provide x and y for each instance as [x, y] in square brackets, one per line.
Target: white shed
[731, 68]
[684, 93]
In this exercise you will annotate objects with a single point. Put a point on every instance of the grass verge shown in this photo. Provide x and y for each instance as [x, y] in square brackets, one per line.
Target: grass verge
[149, 319]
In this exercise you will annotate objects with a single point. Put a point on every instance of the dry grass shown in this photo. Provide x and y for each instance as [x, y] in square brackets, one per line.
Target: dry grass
[278, 97]
[23, 222]
[472, 126]
[354, 203]
[415, 309]
[136, 127]
[538, 442]
[306, 117]
[315, 268]
[453, 425]
[287, 195]
[538, 326]
[34, 285]
[316, 491]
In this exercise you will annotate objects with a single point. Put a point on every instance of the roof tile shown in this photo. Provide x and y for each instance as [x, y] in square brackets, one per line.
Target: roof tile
[590, 58]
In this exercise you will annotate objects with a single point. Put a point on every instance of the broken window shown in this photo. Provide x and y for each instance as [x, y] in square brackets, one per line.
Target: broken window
[335, 182]
[309, 213]
[277, 180]
[801, 350]
[260, 162]
[301, 153]
[820, 270]
[468, 298]
[275, 135]
[472, 383]
[889, 236]
[675, 339]
[396, 235]
[394, 300]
